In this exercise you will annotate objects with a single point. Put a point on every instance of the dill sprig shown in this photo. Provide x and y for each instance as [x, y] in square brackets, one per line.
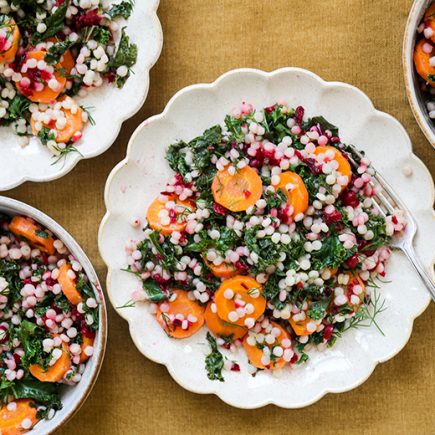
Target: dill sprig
[367, 314]
[63, 153]
[129, 304]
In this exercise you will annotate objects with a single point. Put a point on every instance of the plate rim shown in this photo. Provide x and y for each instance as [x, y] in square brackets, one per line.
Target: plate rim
[76, 157]
[161, 116]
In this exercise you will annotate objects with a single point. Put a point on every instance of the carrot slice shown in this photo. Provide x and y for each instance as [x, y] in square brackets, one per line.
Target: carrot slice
[255, 351]
[74, 121]
[343, 165]
[239, 191]
[68, 285]
[158, 215]
[87, 341]
[46, 94]
[239, 300]
[220, 328]
[429, 19]
[297, 196]
[9, 40]
[12, 417]
[55, 372]
[422, 61]
[26, 227]
[173, 315]
[300, 327]
[224, 270]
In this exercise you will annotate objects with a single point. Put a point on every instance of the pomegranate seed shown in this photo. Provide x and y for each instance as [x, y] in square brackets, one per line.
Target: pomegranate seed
[349, 198]
[352, 262]
[299, 115]
[327, 332]
[219, 209]
[235, 367]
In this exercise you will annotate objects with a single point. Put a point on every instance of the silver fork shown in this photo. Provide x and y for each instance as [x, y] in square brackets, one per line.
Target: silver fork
[388, 202]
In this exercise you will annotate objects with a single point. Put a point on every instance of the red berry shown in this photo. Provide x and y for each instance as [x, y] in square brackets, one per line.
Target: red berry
[349, 198]
[327, 332]
[352, 262]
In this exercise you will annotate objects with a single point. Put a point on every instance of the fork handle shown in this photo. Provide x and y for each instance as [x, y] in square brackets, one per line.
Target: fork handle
[408, 249]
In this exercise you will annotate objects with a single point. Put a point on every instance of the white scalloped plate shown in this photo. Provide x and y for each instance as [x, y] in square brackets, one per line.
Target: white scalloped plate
[110, 108]
[139, 178]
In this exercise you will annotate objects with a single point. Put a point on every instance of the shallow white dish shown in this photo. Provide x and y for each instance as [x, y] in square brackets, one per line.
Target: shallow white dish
[72, 397]
[110, 108]
[415, 97]
[138, 179]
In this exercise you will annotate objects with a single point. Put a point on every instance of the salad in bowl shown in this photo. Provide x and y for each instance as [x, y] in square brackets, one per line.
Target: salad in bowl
[52, 321]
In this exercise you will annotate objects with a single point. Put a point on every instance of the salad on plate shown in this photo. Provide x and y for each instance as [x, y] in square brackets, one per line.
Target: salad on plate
[267, 236]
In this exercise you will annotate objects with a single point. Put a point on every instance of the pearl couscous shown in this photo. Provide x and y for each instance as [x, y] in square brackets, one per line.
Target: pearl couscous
[48, 322]
[267, 235]
[52, 52]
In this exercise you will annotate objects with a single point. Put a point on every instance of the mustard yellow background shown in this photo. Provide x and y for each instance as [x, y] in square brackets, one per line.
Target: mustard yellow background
[354, 41]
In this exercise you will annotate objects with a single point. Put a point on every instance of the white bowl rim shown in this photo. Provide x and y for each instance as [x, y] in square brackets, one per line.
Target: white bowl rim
[163, 115]
[18, 207]
[417, 9]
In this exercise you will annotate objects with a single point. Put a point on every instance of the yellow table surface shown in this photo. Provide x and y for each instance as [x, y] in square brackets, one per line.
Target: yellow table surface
[354, 41]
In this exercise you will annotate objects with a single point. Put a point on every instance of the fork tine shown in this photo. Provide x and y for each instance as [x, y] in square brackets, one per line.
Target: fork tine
[381, 180]
[382, 198]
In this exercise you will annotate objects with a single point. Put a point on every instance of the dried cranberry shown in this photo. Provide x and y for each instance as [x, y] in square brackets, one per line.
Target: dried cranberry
[172, 216]
[17, 358]
[352, 262]
[50, 282]
[349, 198]
[239, 265]
[235, 367]
[299, 115]
[334, 216]
[327, 332]
[219, 209]
[176, 322]
[159, 278]
[270, 109]
[84, 329]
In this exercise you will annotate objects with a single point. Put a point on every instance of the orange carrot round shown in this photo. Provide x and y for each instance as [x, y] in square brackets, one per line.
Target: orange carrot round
[74, 121]
[46, 94]
[55, 372]
[220, 328]
[87, 341]
[239, 191]
[68, 284]
[159, 217]
[239, 301]
[300, 326]
[10, 36]
[181, 317]
[255, 350]
[297, 195]
[25, 227]
[12, 417]
[224, 270]
[422, 61]
[343, 165]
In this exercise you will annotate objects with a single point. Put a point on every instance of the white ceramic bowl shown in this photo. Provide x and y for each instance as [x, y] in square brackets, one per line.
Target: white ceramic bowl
[110, 108]
[72, 397]
[138, 179]
[415, 97]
